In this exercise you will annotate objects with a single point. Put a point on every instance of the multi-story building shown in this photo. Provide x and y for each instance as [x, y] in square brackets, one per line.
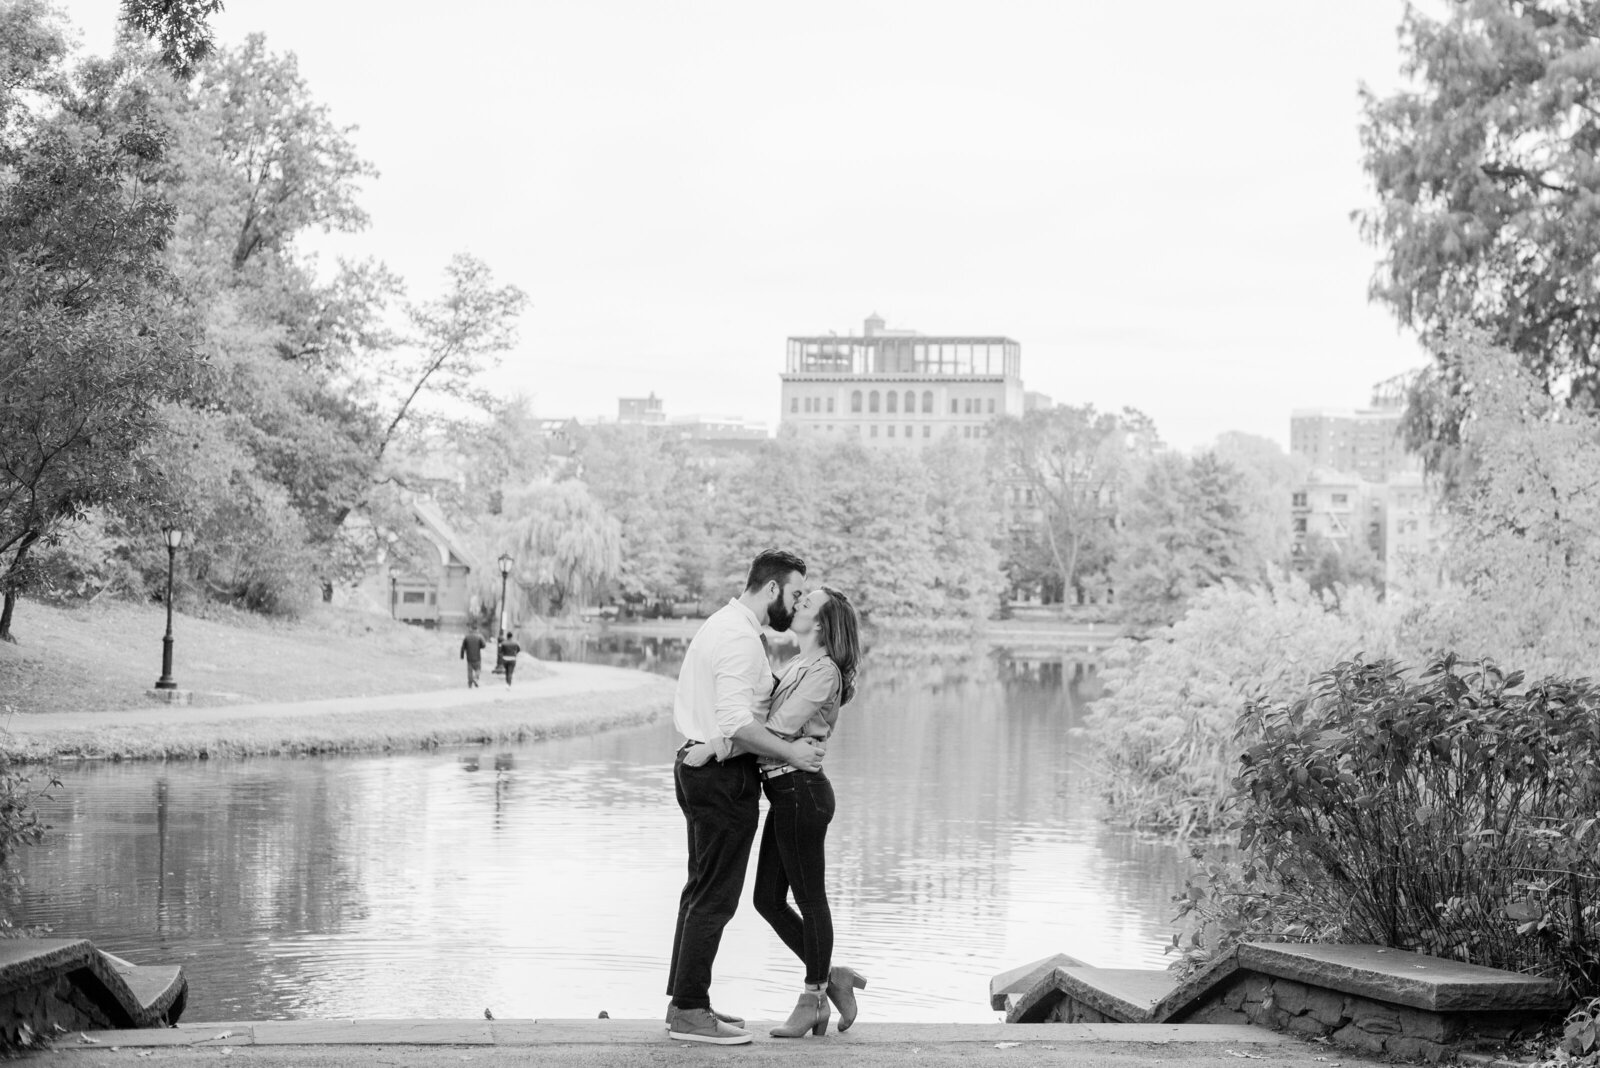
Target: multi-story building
[1337, 506]
[640, 410]
[899, 388]
[1362, 441]
[1414, 526]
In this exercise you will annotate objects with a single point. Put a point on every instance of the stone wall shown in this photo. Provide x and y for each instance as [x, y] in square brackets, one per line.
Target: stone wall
[45, 1010]
[1354, 1021]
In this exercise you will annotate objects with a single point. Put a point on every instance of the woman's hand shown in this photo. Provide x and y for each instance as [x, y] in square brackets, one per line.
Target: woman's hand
[699, 754]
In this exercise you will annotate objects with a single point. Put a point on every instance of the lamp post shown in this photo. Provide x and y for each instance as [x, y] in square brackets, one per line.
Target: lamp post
[394, 593]
[505, 563]
[174, 538]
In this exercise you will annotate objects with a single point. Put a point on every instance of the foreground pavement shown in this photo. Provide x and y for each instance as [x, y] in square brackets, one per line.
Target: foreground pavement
[584, 1043]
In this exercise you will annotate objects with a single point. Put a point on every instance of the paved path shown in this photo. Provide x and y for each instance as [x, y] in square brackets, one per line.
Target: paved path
[563, 680]
[584, 1043]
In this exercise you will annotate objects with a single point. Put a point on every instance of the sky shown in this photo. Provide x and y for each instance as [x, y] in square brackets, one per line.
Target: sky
[1155, 199]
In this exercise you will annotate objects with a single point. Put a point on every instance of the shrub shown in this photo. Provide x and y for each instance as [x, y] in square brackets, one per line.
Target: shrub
[1454, 814]
[1163, 736]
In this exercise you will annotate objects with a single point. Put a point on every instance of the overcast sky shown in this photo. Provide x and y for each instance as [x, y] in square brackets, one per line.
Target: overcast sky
[1153, 198]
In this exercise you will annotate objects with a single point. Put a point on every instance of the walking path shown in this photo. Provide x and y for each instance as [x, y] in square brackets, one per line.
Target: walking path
[585, 1043]
[568, 699]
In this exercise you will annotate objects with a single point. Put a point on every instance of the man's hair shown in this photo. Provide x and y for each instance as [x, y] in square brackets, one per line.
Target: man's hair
[772, 564]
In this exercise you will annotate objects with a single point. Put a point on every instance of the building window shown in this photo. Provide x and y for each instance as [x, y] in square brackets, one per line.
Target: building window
[855, 400]
[966, 431]
[872, 403]
[991, 405]
[926, 430]
[794, 405]
[927, 401]
[953, 408]
[830, 405]
[1341, 498]
[911, 402]
[874, 427]
[894, 401]
[1300, 525]
[412, 597]
[1299, 500]
[966, 406]
[891, 425]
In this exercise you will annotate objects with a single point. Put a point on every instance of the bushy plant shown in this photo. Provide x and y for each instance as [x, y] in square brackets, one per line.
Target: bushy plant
[1453, 814]
[1163, 736]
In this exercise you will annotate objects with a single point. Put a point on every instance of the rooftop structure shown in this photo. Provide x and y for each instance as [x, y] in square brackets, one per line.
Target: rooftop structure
[898, 386]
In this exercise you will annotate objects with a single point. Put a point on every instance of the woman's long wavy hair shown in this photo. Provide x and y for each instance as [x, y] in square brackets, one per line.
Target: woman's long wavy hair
[839, 631]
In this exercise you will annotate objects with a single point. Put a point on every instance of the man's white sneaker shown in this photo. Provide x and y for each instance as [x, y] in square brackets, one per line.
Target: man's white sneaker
[702, 1025]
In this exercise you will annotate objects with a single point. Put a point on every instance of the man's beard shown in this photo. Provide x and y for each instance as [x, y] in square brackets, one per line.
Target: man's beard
[779, 615]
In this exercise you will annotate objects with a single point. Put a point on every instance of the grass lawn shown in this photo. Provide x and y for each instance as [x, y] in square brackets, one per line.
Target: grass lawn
[107, 656]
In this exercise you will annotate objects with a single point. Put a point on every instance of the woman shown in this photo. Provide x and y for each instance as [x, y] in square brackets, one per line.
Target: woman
[805, 703]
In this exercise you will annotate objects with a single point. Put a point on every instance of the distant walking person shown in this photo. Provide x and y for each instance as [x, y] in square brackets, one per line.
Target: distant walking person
[508, 654]
[472, 652]
[725, 678]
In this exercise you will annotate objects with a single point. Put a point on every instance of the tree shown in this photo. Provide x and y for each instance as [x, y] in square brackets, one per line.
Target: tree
[1522, 550]
[1184, 531]
[643, 478]
[1486, 181]
[1074, 463]
[178, 26]
[454, 339]
[966, 521]
[92, 337]
[565, 544]
[1268, 479]
[267, 161]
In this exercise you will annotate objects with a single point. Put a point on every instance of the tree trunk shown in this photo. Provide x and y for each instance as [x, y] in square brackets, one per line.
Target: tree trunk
[11, 590]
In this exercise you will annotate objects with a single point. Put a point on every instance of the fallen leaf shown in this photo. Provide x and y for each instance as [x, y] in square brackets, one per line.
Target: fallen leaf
[86, 1039]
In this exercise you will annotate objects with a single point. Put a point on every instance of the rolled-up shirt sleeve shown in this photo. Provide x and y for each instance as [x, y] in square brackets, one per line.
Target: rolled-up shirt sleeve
[740, 668]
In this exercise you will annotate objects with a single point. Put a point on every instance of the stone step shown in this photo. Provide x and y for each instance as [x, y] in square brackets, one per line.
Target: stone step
[67, 983]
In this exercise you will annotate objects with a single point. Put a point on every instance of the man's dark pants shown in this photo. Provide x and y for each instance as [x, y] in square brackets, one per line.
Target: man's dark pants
[719, 806]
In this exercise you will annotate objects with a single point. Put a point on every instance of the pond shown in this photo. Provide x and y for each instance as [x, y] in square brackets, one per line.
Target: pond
[542, 880]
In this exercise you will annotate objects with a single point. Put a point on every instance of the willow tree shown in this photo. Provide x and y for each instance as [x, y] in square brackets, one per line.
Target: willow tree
[566, 546]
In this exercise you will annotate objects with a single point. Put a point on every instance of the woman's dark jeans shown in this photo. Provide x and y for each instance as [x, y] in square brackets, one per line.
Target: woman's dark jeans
[793, 860]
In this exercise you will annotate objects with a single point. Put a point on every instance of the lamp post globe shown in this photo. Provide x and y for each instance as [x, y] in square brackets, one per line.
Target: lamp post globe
[174, 538]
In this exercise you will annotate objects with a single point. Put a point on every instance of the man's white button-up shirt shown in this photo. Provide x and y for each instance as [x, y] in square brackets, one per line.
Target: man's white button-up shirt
[725, 676]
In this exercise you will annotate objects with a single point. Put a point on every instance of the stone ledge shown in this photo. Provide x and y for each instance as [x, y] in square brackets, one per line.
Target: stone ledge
[1020, 980]
[1402, 977]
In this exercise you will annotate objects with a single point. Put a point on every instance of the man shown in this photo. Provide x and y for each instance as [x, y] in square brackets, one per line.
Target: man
[508, 655]
[472, 652]
[725, 675]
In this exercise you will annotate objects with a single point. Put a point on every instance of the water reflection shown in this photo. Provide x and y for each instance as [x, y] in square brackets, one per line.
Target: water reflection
[542, 881]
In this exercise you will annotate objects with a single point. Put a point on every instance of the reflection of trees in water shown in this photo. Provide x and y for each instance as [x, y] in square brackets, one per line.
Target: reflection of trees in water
[660, 654]
[949, 753]
[147, 863]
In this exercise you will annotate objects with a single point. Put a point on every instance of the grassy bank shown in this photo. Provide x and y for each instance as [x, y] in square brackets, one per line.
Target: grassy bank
[106, 656]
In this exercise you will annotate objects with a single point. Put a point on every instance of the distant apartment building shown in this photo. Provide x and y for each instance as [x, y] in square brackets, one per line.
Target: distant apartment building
[1338, 507]
[1364, 487]
[1414, 527]
[1362, 441]
[640, 410]
[899, 388]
